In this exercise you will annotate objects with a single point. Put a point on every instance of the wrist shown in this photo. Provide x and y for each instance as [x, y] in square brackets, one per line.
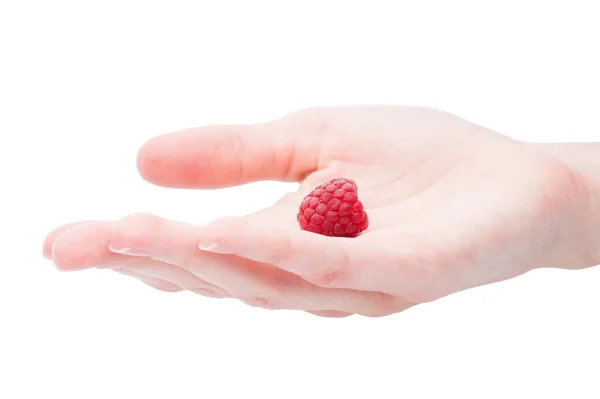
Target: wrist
[583, 159]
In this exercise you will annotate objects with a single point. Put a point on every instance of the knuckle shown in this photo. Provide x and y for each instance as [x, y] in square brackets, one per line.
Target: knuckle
[164, 286]
[204, 292]
[329, 278]
[279, 253]
[239, 152]
[413, 263]
[269, 299]
[379, 304]
[382, 299]
[259, 302]
[131, 230]
[312, 119]
[337, 275]
[223, 230]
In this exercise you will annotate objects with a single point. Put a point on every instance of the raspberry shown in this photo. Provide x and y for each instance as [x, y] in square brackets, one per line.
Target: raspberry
[333, 209]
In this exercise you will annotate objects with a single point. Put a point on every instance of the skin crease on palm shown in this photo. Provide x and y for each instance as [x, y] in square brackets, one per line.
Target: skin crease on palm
[452, 206]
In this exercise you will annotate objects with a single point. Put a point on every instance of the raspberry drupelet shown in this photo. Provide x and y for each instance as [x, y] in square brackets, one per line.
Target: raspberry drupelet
[333, 209]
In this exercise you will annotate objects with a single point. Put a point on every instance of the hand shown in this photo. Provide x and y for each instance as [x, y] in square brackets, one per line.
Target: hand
[451, 205]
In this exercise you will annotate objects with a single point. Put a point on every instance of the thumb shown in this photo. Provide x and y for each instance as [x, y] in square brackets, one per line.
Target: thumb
[221, 156]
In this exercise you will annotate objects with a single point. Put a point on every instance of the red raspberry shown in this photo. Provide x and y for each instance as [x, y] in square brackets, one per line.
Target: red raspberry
[333, 209]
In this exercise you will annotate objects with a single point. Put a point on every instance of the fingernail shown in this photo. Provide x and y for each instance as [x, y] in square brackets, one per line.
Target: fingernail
[216, 247]
[129, 251]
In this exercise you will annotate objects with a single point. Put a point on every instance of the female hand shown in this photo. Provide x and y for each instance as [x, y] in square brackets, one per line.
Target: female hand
[451, 205]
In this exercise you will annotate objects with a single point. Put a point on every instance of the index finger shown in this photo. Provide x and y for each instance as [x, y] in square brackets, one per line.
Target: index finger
[324, 261]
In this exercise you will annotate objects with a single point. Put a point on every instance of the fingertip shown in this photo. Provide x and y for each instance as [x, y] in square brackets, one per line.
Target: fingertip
[220, 156]
[80, 247]
[47, 245]
[50, 240]
[64, 257]
[179, 160]
[147, 161]
[54, 234]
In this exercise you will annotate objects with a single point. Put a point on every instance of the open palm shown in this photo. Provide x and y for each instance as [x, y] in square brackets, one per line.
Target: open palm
[451, 205]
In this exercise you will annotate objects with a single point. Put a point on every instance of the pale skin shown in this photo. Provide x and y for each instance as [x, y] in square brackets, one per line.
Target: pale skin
[452, 206]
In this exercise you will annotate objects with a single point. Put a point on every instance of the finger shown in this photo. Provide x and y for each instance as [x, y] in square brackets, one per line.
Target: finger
[54, 234]
[174, 274]
[257, 284]
[86, 245]
[82, 246]
[222, 156]
[156, 283]
[330, 313]
[324, 261]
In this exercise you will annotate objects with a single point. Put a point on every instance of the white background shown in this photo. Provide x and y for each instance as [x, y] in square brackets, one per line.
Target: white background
[84, 84]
